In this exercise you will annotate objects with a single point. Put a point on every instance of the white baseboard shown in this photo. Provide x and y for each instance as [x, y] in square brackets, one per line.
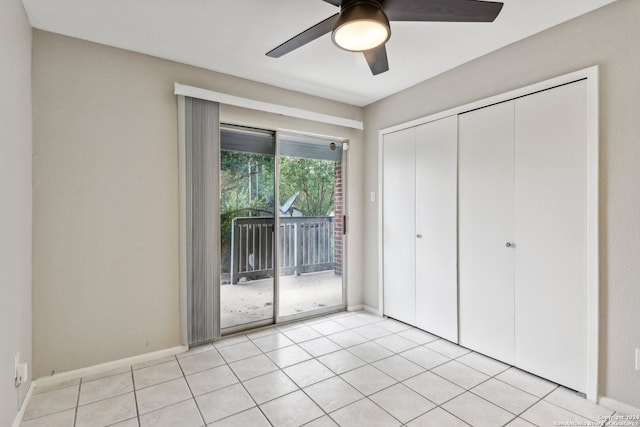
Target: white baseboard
[108, 366]
[618, 406]
[372, 310]
[362, 307]
[18, 419]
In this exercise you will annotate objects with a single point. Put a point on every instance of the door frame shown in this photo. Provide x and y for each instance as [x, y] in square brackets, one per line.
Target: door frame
[591, 75]
[276, 319]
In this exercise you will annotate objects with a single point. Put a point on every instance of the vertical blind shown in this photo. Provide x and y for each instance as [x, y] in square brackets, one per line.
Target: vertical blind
[202, 133]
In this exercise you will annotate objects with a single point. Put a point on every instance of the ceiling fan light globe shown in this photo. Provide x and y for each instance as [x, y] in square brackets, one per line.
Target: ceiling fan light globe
[361, 35]
[362, 26]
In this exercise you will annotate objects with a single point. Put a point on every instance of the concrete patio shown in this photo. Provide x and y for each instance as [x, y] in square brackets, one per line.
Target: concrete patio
[253, 300]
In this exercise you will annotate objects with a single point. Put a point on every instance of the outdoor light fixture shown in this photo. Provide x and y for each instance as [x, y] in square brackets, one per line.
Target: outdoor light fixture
[362, 26]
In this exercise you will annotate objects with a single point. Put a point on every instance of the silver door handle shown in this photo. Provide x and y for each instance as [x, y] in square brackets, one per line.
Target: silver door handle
[419, 236]
[510, 245]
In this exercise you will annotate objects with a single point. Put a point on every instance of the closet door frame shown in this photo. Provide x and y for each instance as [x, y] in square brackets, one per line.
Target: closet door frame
[593, 253]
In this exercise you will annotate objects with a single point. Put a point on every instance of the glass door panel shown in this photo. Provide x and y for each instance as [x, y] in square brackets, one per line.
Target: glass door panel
[311, 228]
[247, 199]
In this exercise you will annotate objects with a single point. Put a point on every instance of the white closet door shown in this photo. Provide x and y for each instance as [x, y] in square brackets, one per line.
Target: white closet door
[551, 234]
[485, 199]
[436, 226]
[399, 225]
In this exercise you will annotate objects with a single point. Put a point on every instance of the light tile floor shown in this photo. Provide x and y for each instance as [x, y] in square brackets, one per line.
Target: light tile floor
[346, 369]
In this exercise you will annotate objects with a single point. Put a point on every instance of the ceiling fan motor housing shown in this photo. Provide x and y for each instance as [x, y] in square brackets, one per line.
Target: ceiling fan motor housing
[354, 16]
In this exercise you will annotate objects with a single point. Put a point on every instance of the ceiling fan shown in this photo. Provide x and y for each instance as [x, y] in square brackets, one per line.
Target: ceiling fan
[363, 25]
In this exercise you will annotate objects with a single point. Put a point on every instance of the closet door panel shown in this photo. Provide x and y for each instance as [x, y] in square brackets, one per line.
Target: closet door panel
[485, 209]
[399, 234]
[550, 234]
[436, 226]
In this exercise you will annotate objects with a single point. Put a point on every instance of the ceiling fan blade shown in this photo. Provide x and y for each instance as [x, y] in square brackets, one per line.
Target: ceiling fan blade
[377, 59]
[334, 2]
[442, 10]
[308, 35]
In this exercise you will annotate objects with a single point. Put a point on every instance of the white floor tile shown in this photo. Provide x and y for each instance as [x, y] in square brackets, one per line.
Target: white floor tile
[325, 421]
[506, 396]
[253, 367]
[51, 402]
[350, 322]
[547, 414]
[304, 333]
[224, 403]
[368, 380]
[341, 361]
[211, 380]
[235, 352]
[370, 351]
[527, 382]
[418, 336]
[105, 374]
[571, 401]
[363, 413]
[58, 385]
[106, 412]
[433, 387]
[269, 386]
[460, 374]
[477, 411]
[288, 356]
[519, 422]
[483, 363]
[393, 325]
[402, 402]
[201, 361]
[368, 317]
[183, 414]
[226, 342]
[161, 395]
[153, 362]
[308, 372]
[437, 418]
[424, 357]
[292, 410]
[320, 346]
[59, 419]
[105, 387]
[132, 422]
[327, 327]
[333, 393]
[396, 343]
[398, 367]
[250, 418]
[156, 374]
[447, 348]
[272, 342]
[262, 333]
[347, 339]
[372, 332]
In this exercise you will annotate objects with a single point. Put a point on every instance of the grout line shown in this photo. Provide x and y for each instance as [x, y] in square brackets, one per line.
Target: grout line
[135, 395]
[75, 415]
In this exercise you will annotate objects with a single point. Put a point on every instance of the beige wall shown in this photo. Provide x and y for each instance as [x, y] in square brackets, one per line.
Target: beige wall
[105, 172]
[15, 201]
[607, 37]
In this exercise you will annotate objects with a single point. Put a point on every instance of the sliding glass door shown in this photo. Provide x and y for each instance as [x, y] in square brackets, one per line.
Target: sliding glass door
[281, 252]
[311, 226]
[247, 200]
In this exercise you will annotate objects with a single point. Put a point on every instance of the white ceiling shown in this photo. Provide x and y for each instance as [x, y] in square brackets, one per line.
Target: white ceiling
[232, 36]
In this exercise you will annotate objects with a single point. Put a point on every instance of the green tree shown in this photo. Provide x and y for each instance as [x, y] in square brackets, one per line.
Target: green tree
[313, 179]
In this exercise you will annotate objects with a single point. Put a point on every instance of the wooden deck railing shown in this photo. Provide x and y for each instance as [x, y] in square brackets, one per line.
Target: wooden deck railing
[306, 245]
